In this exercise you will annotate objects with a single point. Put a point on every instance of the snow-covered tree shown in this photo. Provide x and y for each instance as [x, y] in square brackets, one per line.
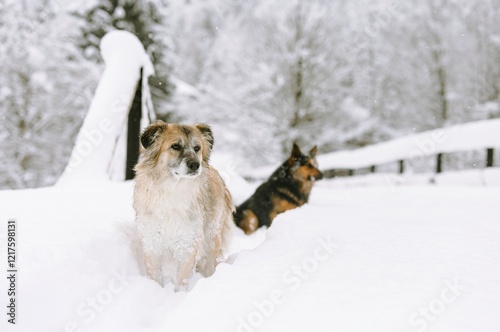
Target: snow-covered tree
[194, 29]
[318, 71]
[483, 33]
[144, 19]
[45, 89]
[276, 68]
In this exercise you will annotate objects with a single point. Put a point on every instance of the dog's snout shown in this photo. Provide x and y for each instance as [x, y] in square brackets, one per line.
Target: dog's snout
[320, 176]
[193, 165]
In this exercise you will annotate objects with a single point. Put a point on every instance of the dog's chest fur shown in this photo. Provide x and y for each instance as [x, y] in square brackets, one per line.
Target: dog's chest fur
[171, 213]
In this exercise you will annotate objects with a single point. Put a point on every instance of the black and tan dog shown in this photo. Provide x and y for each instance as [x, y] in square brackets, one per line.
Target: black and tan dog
[287, 188]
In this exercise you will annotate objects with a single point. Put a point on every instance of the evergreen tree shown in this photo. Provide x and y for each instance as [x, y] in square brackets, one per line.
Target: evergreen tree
[143, 19]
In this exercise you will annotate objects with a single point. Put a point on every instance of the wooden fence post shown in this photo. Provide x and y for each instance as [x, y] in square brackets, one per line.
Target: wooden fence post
[133, 131]
[439, 163]
[489, 157]
[401, 166]
[373, 168]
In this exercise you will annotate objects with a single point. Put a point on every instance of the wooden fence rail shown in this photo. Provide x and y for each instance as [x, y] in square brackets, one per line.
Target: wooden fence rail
[440, 166]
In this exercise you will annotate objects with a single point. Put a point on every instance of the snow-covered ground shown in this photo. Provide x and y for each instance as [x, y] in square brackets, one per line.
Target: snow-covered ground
[380, 258]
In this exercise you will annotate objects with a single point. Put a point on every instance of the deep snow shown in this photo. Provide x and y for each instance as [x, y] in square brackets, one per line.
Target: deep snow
[393, 252]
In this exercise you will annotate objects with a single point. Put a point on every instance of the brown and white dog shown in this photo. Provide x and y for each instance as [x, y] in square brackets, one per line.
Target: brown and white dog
[183, 208]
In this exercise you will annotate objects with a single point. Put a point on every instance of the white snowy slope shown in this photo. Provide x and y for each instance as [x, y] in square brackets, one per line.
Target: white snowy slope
[410, 258]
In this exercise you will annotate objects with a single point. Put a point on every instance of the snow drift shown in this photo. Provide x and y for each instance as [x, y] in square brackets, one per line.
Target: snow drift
[371, 259]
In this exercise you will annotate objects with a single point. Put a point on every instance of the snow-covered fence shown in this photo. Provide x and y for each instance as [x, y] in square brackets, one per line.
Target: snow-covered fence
[107, 145]
[465, 137]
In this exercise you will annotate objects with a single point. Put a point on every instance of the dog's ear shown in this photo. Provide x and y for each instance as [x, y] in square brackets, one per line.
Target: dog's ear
[296, 151]
[208, 136]
[313, 151]
[152, 132]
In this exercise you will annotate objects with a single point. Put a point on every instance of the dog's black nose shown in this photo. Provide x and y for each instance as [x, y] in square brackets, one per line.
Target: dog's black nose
[193, 165]
[320, 176]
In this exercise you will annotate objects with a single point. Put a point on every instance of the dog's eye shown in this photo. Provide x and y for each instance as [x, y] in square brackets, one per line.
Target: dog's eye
[196, 148]
[176, 147]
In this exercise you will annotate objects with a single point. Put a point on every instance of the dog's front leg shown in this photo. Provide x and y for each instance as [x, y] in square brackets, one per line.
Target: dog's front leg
[186, 261]
[149, 236]
[208, 268]
[152, 262]
[212, 248]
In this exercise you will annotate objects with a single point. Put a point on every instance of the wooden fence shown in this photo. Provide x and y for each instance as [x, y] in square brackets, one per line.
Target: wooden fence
[473, 136]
